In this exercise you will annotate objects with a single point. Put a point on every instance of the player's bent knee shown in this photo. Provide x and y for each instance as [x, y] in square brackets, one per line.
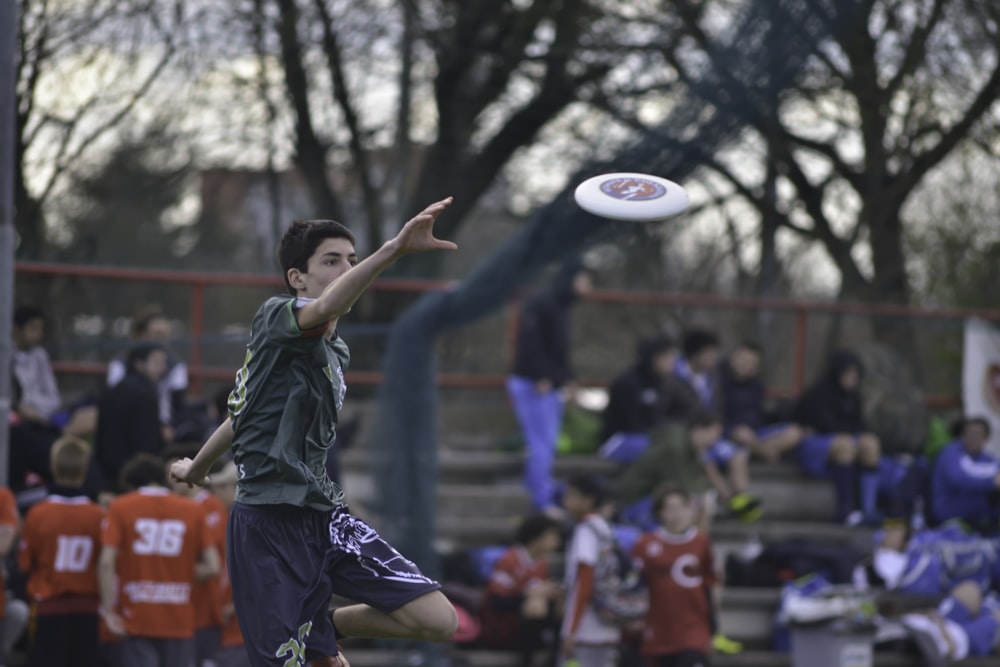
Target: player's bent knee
[430, 617]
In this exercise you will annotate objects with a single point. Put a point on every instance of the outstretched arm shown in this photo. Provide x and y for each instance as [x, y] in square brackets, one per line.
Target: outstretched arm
[417, 235]
[196, 471]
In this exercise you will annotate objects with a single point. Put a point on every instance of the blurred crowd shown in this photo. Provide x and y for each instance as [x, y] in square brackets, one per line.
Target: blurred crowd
[614, 569]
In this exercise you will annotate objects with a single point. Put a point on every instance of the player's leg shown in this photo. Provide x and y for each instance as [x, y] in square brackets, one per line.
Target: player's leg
[397, 600]
[595, 655]
[179, 652]
[140, 652]
[48, 647]
[280, 585]
[869, 453]
[690, 659]
[207, 642]
[81, 638]
[774, 441]
[539, 415]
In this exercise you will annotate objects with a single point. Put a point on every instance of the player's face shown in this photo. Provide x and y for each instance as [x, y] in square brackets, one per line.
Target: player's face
[850, 378]
[332, 259]
[155, 366]
[577, 504]
[31, 334]
[704, 436]
[664, 362]
[549, 542]
[157, 330]
[974, 436]
[676, 513]
[745, 363]
[706, 359]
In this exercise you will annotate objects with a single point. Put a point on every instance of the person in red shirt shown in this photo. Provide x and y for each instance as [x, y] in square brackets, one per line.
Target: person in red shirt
[233, 653]
[158, 545]
[205, 594]
[677, 564]
[521, 598]
[10, 523]
[59, 549]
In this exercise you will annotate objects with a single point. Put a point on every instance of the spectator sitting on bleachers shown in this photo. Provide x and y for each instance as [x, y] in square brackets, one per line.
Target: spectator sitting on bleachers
[522, 602]
[837, 443]
[692, 455]
[150, 325]
[39, 399]
[128, 415]
[966, 623]
[928, 563]
[965, 482]
[39, 404]
[698, 364]
[642, 397]
[741, 394]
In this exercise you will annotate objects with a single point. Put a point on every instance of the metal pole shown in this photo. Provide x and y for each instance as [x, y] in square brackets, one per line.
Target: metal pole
[8, 41]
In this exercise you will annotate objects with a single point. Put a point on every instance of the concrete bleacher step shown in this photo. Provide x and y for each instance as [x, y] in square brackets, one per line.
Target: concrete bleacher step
[753, 658]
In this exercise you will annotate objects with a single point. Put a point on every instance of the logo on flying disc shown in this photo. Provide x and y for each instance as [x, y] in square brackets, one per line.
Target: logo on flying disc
[633, 189]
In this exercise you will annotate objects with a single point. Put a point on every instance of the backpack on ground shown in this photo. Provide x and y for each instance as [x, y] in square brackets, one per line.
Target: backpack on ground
[620, 593]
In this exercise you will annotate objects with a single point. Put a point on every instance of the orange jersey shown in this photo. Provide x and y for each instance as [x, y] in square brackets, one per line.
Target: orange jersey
[159, 538]
[59, 548]
[205, 594]
[8, 517]
[679, 571]
[514, 573]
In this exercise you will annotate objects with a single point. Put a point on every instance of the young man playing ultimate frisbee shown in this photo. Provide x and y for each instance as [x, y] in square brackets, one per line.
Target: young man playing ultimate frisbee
[292, 542]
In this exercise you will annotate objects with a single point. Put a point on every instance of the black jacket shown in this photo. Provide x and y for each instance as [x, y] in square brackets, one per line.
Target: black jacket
[128, 422]
[825, 407]
[639, 400]
[543, 337]
[742, 399]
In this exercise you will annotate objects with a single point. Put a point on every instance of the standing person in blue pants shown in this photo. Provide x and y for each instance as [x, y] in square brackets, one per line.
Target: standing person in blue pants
[541, 368]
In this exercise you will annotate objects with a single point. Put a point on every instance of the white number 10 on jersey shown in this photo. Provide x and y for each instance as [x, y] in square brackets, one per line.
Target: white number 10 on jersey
[159, 538]
[73, 553]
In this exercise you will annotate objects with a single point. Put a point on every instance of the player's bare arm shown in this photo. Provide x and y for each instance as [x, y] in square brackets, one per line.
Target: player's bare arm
[195, 471]
[106, 582]
[209, 564]
[7, 538]
[417, 235]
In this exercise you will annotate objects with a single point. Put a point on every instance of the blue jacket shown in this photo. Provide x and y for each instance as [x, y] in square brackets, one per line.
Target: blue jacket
[961, 484]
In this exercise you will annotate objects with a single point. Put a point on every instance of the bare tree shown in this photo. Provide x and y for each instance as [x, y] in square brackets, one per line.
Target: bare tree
[891, 90]
[83, 70]
[461, 87]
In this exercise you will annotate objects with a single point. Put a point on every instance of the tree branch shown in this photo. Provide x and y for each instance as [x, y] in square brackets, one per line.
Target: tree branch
[342, 97]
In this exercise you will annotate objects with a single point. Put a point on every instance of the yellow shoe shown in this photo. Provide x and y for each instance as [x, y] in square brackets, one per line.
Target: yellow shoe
[726, 646]
[746, 507]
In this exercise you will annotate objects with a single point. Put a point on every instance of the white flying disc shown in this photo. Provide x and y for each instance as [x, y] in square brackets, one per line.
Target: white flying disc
[629, 196]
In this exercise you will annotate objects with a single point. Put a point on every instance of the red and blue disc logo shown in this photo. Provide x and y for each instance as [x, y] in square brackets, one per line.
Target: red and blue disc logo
[633, 189]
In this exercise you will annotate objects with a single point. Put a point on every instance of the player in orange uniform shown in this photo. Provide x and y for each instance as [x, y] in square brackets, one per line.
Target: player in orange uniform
[521, 599]
[205, 594]
[10, 522]
[158, 544]
[233, 653]
[59, 550]
[677, 563]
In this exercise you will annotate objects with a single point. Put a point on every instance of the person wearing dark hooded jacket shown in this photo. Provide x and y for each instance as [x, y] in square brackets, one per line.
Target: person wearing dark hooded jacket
[541, 368]
[837, 443]
[642, 397]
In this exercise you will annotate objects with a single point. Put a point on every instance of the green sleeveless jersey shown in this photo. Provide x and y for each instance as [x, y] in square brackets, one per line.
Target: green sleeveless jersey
[284, 410]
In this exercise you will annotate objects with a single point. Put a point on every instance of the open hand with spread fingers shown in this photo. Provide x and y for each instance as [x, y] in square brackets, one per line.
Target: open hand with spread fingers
[417, 235]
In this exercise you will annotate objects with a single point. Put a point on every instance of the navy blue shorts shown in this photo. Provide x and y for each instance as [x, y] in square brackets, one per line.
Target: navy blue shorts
[286, 562]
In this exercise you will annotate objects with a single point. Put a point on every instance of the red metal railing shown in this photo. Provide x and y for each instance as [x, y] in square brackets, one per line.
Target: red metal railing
[198, 281]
